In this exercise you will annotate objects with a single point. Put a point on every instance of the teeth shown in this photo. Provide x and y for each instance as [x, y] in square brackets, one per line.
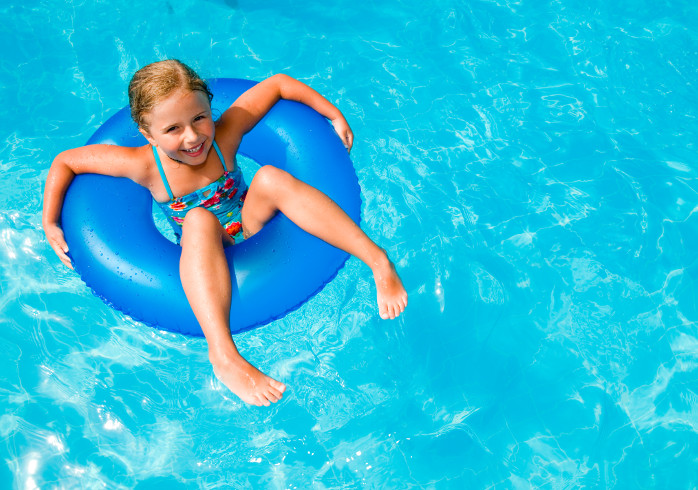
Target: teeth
[194, 150]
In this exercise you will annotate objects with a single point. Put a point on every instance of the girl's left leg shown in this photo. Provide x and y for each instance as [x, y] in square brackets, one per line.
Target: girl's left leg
[275, 190]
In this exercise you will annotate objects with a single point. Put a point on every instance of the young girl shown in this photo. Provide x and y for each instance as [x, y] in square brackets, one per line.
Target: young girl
[188, 151]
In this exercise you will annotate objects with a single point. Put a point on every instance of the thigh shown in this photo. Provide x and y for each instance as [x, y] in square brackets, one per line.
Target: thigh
[262, 201]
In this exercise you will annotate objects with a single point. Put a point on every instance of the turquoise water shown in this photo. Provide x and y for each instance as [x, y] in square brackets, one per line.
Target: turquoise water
[530, 167]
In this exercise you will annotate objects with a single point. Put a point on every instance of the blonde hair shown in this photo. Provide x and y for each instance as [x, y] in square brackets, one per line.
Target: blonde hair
[156, 81]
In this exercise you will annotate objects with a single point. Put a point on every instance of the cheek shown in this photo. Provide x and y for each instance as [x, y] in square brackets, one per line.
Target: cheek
[168, 143]
[209, 127]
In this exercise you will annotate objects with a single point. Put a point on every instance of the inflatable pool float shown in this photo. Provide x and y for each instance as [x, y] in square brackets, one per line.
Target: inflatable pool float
[120, 254]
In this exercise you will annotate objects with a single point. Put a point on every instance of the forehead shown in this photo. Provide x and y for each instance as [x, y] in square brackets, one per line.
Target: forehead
[180, 104]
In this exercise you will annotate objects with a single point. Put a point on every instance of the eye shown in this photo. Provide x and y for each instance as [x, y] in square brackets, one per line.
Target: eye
[199, 117]
[170, 129]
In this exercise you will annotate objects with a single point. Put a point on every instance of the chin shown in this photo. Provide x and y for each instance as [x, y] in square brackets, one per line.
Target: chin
[196, 161]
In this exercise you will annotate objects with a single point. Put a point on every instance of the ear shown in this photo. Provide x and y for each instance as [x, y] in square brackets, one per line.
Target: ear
[147, 136]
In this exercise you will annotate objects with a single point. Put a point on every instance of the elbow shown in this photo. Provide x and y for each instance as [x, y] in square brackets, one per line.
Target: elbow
[60, 161]
[281, 78]
[282, 82]
[59, 176]
[61, 165]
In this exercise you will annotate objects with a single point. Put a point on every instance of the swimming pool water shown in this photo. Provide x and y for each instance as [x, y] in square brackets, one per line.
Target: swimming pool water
[530, 167]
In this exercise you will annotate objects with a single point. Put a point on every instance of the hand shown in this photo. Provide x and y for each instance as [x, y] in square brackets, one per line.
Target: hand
[56, 239]
[343, 130]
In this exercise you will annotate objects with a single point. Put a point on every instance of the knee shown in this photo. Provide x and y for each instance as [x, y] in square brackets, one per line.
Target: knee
[271, 180]
[199, 221]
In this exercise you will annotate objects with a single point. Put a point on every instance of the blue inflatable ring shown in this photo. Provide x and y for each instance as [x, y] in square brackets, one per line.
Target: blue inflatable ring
[126, 261]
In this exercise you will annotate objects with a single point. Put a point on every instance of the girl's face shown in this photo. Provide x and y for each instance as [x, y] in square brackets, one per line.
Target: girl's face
[182, 127]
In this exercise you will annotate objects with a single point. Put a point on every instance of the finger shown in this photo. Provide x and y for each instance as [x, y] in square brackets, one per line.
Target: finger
[59, 243]
[65, 259]
[62, 253]
[58, 248]
[68, 263]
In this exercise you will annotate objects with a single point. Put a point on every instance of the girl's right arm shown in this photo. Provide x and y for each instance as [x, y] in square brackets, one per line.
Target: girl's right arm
[111, 160]
[59, 178]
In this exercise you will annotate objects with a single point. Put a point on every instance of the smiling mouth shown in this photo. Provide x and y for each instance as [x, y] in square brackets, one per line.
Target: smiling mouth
[195, 150]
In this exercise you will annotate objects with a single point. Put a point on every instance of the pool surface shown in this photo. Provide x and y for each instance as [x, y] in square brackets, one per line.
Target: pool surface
[530, 168]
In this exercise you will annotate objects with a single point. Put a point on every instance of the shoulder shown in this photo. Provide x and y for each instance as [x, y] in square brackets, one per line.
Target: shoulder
[228, 136]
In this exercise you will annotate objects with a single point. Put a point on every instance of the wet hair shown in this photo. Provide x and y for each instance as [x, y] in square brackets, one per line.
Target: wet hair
[156, 81]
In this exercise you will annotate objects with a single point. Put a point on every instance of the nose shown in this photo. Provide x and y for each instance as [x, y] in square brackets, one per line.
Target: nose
[190, 134]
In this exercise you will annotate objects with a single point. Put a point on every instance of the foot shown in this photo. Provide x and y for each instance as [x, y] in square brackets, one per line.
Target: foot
[246, 381]
[392, 297]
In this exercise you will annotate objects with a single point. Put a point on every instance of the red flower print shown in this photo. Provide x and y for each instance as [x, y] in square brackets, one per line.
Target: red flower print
[178, 206]
[215, 199]
[233, 228]
[230, 194]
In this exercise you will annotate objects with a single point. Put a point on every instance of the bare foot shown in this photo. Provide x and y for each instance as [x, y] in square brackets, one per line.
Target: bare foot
[392, 297]
[246, 381]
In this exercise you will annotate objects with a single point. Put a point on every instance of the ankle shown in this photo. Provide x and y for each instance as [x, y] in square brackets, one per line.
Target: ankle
[219, 357]
[380, 261]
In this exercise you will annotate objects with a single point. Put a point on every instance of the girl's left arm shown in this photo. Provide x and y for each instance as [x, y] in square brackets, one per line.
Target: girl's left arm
[251, 106]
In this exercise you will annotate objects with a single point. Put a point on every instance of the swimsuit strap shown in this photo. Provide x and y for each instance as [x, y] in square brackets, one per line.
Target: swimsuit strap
[162, 174]
[162, 171]
[220, 155]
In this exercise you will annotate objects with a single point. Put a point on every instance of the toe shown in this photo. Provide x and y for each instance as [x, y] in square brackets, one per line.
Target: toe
[278, 386]
[273, 395]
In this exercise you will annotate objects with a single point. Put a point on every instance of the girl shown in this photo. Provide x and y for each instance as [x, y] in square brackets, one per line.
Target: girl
[172, 107]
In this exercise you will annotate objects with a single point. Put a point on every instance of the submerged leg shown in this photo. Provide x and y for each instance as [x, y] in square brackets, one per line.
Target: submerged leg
[275, 190]
[205, 276]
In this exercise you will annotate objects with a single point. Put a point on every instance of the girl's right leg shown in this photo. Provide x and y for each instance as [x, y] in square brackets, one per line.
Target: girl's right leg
[205, 277]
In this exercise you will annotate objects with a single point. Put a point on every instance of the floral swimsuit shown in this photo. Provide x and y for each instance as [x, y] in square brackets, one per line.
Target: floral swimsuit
[223, 197]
